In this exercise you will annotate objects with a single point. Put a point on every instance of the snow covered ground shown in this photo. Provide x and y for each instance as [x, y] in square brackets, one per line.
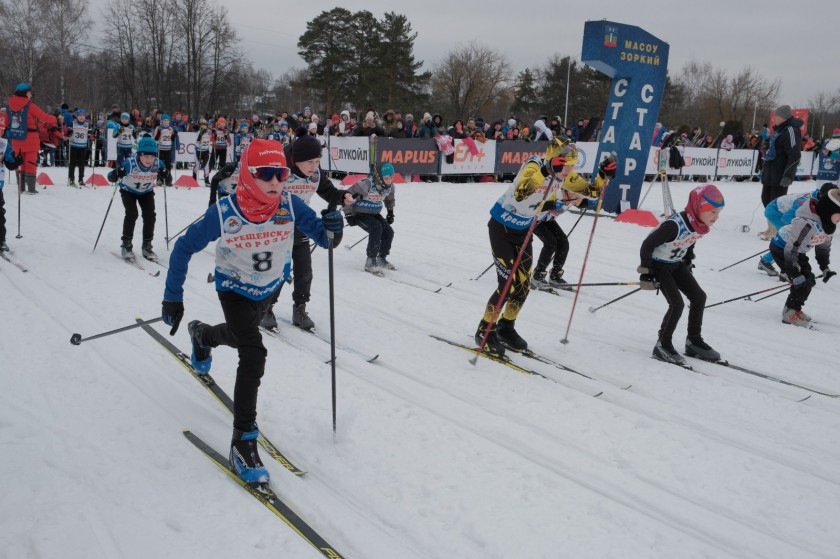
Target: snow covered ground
[434, 458]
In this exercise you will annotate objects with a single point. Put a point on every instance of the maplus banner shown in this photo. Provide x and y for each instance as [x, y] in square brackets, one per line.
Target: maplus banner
[512, 154]
[408, 156]
[471, 158]
[637, 62]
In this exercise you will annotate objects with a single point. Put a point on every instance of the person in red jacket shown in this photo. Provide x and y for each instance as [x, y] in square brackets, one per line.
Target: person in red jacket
[30, 144]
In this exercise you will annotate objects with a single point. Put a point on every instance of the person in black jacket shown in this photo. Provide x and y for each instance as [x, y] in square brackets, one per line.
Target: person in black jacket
[304, 159]
[784, 150]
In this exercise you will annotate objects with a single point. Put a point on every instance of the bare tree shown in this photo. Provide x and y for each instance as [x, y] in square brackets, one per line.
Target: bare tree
[471, 78]
[22, 27]
[63, 18]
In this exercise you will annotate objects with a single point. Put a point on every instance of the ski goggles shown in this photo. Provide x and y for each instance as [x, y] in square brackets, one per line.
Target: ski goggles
[268, 173]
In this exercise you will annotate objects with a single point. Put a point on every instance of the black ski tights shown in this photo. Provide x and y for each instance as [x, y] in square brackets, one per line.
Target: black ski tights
[672, 279]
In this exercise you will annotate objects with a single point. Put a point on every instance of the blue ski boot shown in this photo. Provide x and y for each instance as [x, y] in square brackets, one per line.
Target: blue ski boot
[245, 457]
[201, 358]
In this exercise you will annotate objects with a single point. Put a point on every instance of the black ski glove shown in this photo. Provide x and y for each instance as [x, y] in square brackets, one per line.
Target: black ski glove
[390, 218]
[647, 281]
[172, 313]
[352, 220]
[608, 166]
[120, 171]
[828, 274]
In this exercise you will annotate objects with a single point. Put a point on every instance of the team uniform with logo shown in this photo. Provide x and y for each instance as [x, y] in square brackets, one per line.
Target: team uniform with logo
[79, 140]
[203, 143]
[367, 214]
[167, 138]
[124, 134]
[224, 182]
[137, 189]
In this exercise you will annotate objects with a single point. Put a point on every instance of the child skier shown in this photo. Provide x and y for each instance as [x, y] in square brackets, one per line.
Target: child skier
[510, 219]
[203, 142]
[666, 264]
[137, 176]
[167, 139]
[221, 141]
[305, 179]
[780, 212]
[241, 140]
[79, 138]
[124, 134]
[813, 225]
[575, 190]
[224, 182]
[255, 228]
[366, 212]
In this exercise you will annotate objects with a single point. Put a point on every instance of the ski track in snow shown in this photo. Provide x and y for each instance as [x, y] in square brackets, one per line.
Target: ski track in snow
[433, 458]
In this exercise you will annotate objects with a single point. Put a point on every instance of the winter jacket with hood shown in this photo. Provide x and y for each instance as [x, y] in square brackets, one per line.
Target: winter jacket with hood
[783, 154]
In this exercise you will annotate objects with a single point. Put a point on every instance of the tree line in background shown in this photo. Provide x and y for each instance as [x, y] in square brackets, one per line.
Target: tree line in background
[185, 55]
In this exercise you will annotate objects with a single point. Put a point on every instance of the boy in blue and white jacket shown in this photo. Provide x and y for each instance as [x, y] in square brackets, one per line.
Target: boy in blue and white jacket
[137, 176]
[255, 228]
[124, 133]
[375, 192]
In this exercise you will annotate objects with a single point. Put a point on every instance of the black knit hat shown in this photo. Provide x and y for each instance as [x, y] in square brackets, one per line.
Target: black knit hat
[828, 205]
[306, 148]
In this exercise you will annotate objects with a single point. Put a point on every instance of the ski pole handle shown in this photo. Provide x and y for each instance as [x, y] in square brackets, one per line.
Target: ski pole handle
[77, 339]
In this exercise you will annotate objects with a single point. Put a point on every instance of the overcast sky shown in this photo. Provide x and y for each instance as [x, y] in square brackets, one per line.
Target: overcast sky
[779, 42]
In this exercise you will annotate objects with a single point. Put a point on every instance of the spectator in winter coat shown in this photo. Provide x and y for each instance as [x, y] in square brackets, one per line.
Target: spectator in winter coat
[368, 127]
[29, 142]
[437, 124]
[457, 130]
[784, 150]
[410, 127]
[727, 143]
[398, 131]
[497, 132]
[426, 129]
[389, 121]
[541, 132]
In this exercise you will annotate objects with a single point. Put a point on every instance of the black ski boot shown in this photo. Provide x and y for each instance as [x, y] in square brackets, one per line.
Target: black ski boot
[269, 321]
[555, 279]
[492, 345]
[127, 252]
[538, 280]
[300, 317]
[696, 347]
[148, 253]
[509, 337]
[664, 351]
[201, 357]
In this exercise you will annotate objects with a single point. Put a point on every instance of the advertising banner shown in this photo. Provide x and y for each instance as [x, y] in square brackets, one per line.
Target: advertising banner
[347, 155]
[482, 162]
[408, 156]
[735, 163]
[511, 155]
[828, 169]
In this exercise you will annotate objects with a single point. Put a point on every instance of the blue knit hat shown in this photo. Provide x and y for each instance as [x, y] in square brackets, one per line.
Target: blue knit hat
[22, 88]
[387, 170]
[80, 112]
[125, 115]
[164, 117]
[147, 144]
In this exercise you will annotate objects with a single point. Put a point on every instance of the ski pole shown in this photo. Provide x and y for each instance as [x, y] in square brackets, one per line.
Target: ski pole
[497, 308]
[782, 289]
[565, 338]
[569, 234]
[175, 236]
[77, 339]
[593, 309]
[609, 283]
[748, 295]
[19, 173]
[484, 272]
[744, 260]
[312, 247]
[166, 215]
[357, 242]
[332, 315]
[116, 187]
